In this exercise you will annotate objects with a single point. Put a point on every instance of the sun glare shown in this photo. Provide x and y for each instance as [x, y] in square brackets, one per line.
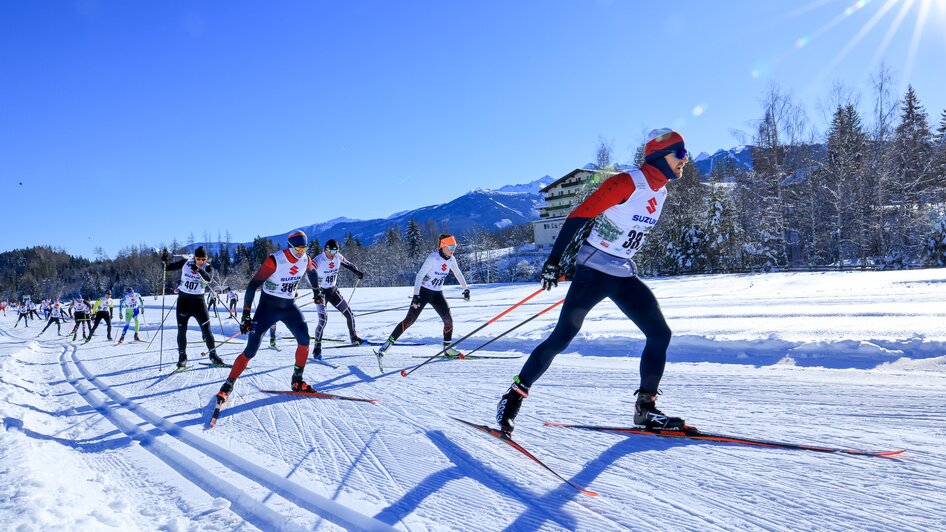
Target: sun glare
[893, 17]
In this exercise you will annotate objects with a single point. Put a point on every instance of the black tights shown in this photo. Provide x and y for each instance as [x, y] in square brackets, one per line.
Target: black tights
[437, 301]
[635, 300]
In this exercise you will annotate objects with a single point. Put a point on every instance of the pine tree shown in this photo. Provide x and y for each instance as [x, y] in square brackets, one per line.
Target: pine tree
[938, 166]
[913, 190]
[413, 239]
[840, 189]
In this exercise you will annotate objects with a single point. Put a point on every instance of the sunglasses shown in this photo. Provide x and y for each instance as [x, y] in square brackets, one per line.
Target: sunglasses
[679, 154]
[452, 247]
[331, 250]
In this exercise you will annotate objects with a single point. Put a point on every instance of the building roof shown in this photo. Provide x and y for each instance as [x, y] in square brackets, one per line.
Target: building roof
[572, 174]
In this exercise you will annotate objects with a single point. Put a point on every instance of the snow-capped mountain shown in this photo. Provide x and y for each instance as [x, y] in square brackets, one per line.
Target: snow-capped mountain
[740, 159]
[531, 187]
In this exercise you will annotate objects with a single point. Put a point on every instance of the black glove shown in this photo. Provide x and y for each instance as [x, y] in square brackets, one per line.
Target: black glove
[415, 301]
[360, 274]
[164, 256]
[246, 323]
[466, 294]
[551, 271]
[193, 268]
[318, 297]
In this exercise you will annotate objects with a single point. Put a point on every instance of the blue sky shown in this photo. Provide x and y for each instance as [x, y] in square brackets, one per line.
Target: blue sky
[138, 122]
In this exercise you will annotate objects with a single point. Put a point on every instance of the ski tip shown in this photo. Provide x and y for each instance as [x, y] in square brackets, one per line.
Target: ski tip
[554, 424]
[889, 454]
[461, 356]
[588, 492]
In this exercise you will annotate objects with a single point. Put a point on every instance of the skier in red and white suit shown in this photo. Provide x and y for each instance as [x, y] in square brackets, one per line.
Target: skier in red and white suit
[623, 209]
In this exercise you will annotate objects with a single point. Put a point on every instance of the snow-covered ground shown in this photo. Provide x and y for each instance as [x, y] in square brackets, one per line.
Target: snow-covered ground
[103, 437]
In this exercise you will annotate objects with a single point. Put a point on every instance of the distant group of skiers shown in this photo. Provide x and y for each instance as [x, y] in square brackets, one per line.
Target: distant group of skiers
[606, 230]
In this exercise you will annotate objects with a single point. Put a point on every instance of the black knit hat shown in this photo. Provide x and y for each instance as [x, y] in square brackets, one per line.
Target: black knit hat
[200, 253]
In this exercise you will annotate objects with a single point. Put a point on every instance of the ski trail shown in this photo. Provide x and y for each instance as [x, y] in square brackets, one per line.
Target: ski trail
[256, 513]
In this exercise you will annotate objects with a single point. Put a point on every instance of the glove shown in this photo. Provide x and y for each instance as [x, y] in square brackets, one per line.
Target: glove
[551, 271]
[360, 274]
[164, 256]
[246, 323]
[193, 268]
[466, 294]
[415, 301]
[318, 297]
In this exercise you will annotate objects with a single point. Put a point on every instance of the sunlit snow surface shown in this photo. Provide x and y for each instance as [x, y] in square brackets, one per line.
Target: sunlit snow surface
[95, 437]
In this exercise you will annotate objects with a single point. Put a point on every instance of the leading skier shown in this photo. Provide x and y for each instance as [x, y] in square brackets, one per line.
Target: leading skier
[623, 209]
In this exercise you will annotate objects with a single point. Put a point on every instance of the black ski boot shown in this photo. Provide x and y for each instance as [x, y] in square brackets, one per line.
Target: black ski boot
[356, 340]
[299, 385]
[509, 405]
[121, 338]
[225, 390]
[215, 359]
[136, 338]
[317, 351]
[647, 415]
[182, 361]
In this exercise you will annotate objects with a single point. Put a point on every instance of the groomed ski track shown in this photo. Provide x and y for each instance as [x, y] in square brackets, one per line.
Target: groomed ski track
[282, 463]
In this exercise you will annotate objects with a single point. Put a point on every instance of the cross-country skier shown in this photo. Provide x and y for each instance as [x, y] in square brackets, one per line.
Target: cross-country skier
[233, 297]
[212, 304]
[3, 307]
[195, 274]
[327, 265]
[56, 315]
[629, 205]
[22, 313]
[31, 308]
[428, 288]
[133, 306]
[101, 310]
[278, 276]
[80, 309]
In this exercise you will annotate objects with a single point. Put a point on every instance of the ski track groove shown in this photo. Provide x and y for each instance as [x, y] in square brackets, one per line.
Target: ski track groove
[243, 504]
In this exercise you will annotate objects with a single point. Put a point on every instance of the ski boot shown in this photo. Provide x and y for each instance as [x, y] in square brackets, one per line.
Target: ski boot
[379, 353]
[509, 404]
[647, 415]
[136, 338]
[182, 361]
[215, 359]
[317, 351]
[450, 352]
[121, 338]
[356, 340]
[225, 390]
[272, 342]
[299, 385]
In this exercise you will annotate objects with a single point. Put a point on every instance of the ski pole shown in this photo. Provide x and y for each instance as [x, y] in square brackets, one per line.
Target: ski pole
[353, 291]
[405, 373]
[550, 307]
